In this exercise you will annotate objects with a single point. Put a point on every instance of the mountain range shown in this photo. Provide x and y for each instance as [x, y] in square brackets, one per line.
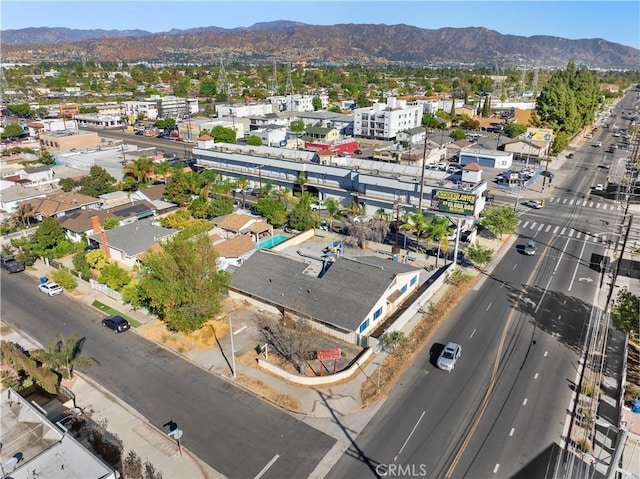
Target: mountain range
[333, 44]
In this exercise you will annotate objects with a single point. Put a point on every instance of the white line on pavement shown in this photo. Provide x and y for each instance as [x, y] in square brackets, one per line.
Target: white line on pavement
[512, 431]
[495, 469]
[536, 376]
[488, 307]
[239, 330]
[524, 403]
[474, 332]
[410, 434]
[266, 468]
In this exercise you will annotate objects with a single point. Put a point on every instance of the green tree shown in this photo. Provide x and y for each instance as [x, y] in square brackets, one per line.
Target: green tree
[162, 168]
[19, 109]
[140, 168]
[49, 235]
[65, 279]
[97, 182]
[479, 254]
[221, 134]
[514, 129]
[63, 355]
[182, 284]
[254, 140]
[199, 208]
[415, 222]
[272, 209]
[178, 189]
[333, 210]
[486, 109]
[438, 229]
[625, 312]
[457, 134]
[110, 223]
[96, 259]
[178, 220]
[297, 127]
[114, 276]
[500, 220]
[67, 184]
[316, 102]
[220, 206]
[12, 130]
[302, 217]
[396, 343]
[166, 124]
[208, 87]
[335, 109]
[46, 158]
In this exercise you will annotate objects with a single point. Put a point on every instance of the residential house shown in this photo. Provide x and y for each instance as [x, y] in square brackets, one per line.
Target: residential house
[271, 135]
[234, 251]
[59, 205]
[412, 135]
[525, 149]
[35, 176]
[12, 196]
[322, 134]
[236, 224]
[154, 195]
[454, 148]
[116, 198]
[347, 295]
[127, 243]
[132, 211]
[83, 222]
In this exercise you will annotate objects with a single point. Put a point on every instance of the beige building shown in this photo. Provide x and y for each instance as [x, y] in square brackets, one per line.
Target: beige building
[68, 139]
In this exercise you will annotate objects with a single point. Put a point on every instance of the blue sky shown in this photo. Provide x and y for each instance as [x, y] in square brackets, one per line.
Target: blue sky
[617, 22]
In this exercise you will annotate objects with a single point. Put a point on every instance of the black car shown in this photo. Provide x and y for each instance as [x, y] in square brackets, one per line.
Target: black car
[10, 264]
[116, 323]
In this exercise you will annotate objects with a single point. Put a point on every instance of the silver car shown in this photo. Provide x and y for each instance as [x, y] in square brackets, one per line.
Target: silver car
[449, 356]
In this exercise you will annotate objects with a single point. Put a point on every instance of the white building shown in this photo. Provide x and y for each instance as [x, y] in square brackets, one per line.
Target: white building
[296, 102]
[244, 110]
[271, 135]
[148, 108]
[175, 107]
[384, 121]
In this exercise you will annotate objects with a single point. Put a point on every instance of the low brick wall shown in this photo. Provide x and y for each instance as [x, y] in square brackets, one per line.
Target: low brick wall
[318, 380]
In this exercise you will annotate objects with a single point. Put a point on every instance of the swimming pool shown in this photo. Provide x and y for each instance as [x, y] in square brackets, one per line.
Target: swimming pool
[271, 242]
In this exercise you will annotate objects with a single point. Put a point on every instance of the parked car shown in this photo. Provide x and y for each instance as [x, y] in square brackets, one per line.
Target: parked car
[597, 144]
[599, 187]
[11, 264]
[570, 155]
[318, 205]
[530, 248]
[548, 174]
[116, 323]
[50, 288]
[449, 356]
[536, 204]
[358, 152]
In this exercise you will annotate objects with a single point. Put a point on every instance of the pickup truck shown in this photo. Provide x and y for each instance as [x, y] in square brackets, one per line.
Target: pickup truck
[10, 264]
[318, 206]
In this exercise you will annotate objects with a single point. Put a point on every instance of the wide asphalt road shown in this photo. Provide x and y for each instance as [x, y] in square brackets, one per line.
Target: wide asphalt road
[230, 430]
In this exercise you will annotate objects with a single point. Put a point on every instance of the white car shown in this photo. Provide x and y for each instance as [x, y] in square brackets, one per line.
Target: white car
[318, 206]
[599, 187]
[533, 204]
[50, 288]
[449, 356]
[597, 144]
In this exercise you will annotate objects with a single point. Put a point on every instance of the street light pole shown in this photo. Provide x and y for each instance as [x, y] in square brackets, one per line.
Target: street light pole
[424, 160]
[233, 353]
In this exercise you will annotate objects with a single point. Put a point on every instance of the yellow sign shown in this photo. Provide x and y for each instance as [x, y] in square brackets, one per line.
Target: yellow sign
[539, 134]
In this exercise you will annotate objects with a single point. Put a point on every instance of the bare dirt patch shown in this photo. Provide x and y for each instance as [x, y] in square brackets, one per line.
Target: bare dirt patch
[286, 401]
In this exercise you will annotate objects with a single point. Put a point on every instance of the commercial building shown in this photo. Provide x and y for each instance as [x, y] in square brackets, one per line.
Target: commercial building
[67, 139]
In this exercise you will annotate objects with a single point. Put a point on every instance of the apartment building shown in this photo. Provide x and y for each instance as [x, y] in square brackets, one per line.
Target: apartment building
[383, 121]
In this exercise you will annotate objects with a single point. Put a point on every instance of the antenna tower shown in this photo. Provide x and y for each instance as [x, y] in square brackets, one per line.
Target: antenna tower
[223, 82]
[289, 87]
[274, 80]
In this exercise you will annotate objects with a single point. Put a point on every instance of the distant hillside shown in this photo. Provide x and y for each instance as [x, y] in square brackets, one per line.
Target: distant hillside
[346, 43]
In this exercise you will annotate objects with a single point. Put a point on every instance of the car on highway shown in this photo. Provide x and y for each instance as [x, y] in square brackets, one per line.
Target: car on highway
[50, 288]
[11, 264]
[449, 356]
[536, 204]
[116, 323]
[530, 248]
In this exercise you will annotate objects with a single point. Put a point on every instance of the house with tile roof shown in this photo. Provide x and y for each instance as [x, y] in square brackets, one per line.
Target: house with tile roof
[348, 295]
[60, 205]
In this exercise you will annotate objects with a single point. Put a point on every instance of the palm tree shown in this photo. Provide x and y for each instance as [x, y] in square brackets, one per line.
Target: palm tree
[302, 180]
[63, 355]
[285, 196]
[242, 183]
[438, 228]
[333, 208]
[417, 223]
[161, 169]
[140, 168]
[23, 213]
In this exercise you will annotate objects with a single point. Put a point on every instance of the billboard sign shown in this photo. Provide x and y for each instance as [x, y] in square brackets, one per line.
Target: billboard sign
[456, 202]
[539, 134]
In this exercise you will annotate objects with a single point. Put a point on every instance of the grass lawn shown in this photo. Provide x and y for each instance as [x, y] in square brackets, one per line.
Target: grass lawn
[111, 312]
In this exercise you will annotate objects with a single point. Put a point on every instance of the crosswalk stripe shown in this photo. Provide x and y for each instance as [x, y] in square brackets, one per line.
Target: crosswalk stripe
[540, 227]
[525, 224]
[533, 225]
[590, 204]
[579, 235]
[604, 239]
[571, 201]
[595, 238]
[584, 203]
[563, 230]
[597, 205]
[555, 230]
[564, 201]
[571, 232]
[548, 228]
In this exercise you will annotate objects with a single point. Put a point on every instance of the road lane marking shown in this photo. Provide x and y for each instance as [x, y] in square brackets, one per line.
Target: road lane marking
[524, 403]
[548, 228]
[555, 230]
[571, 201]
[533, 225]
[553, 273]
[536, 376]
[525, 224]
[571, 232]
[512, 431]
[597, 205]
[590, 204]
[563, 230]
[545, 354]
[495, 469]
[474, 332]
[266, 468]
[488, 307]
[540, 227]
[514, 266]
[564, 201]
[239, 330]
[575, 271]
[410, 434]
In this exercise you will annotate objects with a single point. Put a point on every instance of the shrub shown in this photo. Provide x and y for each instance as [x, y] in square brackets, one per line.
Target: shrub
[395, 342]
[96, 259]
[65, 279]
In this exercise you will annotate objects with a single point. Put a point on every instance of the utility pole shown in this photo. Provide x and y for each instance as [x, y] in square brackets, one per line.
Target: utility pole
[424, 160]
